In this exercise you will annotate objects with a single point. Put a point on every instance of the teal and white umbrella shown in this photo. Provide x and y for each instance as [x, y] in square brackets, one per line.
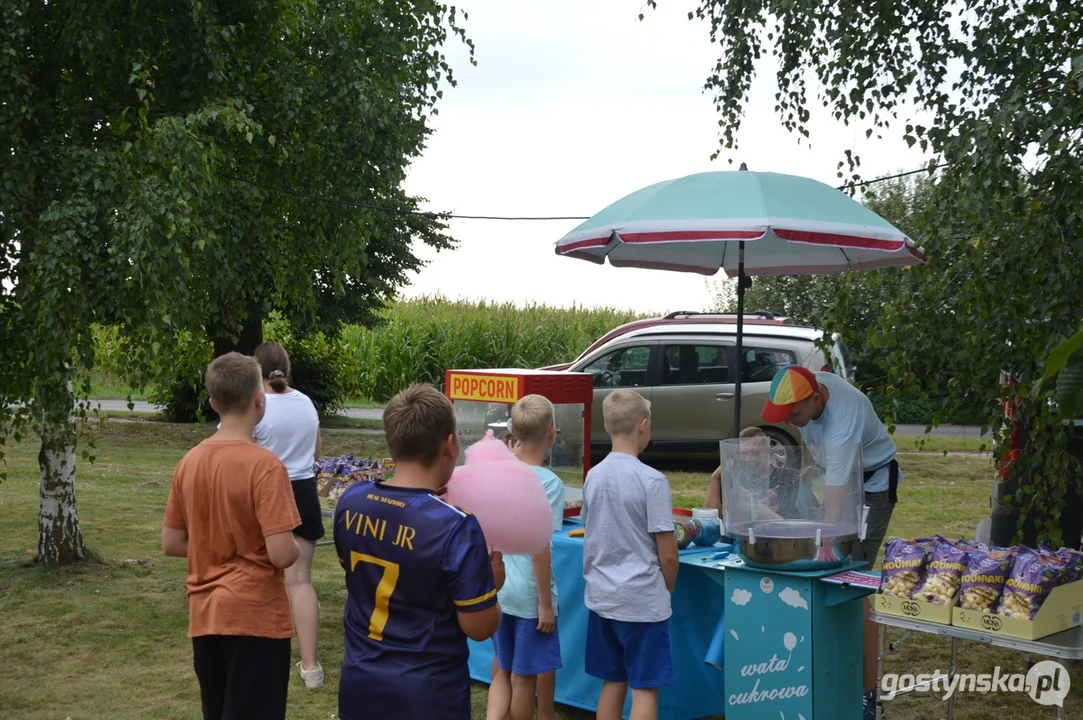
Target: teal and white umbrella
[744, 223]
[789, 225]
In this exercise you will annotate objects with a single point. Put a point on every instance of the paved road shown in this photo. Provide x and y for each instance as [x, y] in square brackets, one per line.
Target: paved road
[145, 407]
[954, 431]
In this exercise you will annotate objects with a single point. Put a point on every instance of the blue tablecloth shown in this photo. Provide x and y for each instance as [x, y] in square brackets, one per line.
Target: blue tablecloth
[698, 604]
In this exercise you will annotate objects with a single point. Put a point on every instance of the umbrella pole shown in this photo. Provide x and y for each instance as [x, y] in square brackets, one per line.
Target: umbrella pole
[740, 337]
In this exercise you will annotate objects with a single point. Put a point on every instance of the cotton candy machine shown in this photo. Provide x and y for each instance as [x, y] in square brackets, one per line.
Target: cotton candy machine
[803, 516]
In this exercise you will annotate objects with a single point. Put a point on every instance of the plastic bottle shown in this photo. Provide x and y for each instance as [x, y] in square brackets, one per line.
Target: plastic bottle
[711, 531]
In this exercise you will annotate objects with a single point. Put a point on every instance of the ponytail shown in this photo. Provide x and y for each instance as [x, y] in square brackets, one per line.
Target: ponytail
[279, 382]
[274, 364]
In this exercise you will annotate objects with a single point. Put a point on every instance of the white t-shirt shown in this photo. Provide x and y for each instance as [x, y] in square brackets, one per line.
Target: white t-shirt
[848, 421]
[624, 503]
[289, 429]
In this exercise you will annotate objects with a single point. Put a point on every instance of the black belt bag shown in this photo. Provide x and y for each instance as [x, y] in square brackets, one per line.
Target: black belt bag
[892, 478]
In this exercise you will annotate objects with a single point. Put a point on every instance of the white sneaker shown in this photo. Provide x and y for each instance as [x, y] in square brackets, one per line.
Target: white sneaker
[313, 677]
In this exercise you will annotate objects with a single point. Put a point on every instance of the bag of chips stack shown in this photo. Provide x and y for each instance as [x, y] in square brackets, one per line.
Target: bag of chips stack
[1033, 575]
[943, 575]
[983, 580]
[904, 566]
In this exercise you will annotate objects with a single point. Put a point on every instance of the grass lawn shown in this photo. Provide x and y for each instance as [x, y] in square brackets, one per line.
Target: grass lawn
[107, 639]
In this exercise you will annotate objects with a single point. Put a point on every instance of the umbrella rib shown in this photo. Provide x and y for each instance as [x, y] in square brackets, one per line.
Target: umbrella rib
[849, 265]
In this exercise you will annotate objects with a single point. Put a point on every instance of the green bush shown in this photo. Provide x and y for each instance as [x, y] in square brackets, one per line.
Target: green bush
[919, 409]
[903, 409]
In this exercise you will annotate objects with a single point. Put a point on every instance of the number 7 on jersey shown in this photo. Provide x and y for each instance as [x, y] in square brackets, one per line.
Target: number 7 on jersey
[384, 590]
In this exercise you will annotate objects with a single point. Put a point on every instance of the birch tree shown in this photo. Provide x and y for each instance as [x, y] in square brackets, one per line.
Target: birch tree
[159, 165]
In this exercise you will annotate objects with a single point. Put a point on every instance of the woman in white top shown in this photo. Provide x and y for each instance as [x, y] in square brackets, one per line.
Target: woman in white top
[291, 429]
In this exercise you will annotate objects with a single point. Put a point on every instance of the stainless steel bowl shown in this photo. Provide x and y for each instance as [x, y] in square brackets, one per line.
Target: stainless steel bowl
[791, 545]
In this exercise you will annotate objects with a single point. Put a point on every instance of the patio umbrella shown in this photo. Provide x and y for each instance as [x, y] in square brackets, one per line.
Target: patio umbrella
[744, 223]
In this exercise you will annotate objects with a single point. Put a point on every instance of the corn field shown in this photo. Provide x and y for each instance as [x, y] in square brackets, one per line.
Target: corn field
[419, 339]
[424, 337]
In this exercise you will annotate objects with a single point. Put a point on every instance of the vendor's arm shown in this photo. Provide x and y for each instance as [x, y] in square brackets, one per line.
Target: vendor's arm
[841, 463]
[834, 503]
[668, 557]
[762, 511]
[714, 491]
[765, 513]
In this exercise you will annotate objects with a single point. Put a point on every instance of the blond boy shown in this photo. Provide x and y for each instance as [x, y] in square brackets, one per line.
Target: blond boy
[527, 644]
[629, 565]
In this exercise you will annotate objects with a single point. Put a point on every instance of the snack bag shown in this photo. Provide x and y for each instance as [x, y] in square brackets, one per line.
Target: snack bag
[1033, 576]
[984, 577]
[904, 564]
[1074, 560]
[943, 576]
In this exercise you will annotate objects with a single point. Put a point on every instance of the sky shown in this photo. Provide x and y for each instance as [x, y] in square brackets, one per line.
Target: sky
[574, 104]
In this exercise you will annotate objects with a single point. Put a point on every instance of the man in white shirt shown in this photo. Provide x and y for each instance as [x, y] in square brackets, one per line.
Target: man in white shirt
[835, 418]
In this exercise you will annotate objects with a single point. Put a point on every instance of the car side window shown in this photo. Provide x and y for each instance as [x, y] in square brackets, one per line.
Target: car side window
[695, 364]
[761, 364]
[624, 367]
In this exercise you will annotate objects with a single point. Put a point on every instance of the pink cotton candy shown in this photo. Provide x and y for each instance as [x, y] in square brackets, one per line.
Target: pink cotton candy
[505, 496]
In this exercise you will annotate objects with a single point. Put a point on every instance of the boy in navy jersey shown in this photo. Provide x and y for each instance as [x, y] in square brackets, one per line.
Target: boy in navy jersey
[419, 577]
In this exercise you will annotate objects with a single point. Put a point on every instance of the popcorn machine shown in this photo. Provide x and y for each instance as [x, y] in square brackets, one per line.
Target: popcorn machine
[483, 400]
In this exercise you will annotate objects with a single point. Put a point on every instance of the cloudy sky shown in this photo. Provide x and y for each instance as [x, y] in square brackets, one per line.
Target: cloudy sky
[574, 104]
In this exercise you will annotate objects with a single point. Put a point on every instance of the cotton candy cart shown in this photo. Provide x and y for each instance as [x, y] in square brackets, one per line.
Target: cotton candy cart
[793, 619]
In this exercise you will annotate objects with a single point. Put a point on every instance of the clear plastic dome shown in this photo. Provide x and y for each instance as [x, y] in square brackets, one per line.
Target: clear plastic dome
[803, 513]
[565, 458]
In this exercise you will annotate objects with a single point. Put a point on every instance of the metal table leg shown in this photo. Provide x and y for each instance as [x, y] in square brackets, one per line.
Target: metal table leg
[951, 677]
[881, 652]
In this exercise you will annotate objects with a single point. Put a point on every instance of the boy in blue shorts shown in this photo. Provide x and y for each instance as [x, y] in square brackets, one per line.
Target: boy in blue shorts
[419, 577]
[527, 643]
[629, 565]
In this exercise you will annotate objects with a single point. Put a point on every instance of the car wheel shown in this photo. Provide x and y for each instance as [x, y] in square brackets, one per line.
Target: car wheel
[784, 450]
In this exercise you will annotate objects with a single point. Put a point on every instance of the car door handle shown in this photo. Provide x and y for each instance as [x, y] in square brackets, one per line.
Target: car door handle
[724, 396]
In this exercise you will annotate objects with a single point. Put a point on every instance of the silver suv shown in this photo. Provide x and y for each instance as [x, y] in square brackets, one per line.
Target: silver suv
[684, 364]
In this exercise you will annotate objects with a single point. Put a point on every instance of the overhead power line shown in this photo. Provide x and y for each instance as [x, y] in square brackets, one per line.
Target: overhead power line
[862, 183]
[456, 216]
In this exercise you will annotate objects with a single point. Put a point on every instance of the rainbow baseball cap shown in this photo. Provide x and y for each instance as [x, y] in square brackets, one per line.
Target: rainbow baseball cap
[791, 384]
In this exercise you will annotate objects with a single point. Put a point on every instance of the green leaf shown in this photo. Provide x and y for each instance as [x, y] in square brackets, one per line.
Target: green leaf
[1060, 354]
[1070, 386]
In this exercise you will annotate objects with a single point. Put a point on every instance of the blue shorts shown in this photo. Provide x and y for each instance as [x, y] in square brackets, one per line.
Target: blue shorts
[637, 653]
[523, 650]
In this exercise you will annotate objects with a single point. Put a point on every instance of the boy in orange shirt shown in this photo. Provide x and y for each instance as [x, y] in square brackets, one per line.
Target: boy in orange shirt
[231, 513]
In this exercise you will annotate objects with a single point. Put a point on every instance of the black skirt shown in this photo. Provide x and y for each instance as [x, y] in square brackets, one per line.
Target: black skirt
[308, 507]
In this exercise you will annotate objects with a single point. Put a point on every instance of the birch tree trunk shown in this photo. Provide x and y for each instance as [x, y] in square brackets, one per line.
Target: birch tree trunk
[60, 541]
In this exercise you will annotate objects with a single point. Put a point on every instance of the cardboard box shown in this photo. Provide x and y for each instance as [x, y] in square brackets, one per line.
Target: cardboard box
[323, 486]
[1063, 609]
[917, 609]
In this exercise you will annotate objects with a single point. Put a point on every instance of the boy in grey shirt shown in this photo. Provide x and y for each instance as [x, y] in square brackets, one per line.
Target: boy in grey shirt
[629, 564]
